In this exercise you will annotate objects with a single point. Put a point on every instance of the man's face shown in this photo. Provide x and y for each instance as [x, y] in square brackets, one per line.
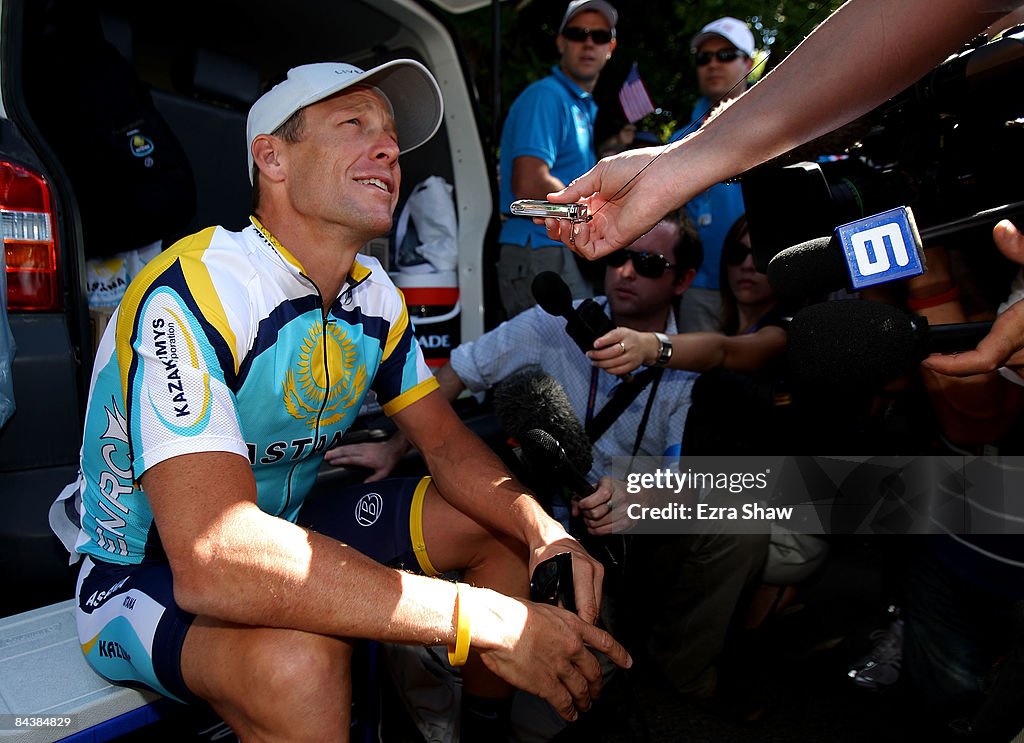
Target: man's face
[717, 78]
[583, 60]
[634, 299]
[344, 169]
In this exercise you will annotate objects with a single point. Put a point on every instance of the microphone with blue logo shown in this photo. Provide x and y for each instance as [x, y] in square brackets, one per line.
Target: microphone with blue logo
[874, 250]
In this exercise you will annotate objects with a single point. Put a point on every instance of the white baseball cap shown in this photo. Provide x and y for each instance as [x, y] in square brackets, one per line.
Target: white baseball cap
[408, 86]
[733, 30]
[602, 7]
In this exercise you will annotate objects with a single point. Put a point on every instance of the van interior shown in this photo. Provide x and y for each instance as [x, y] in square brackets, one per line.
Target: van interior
[193, 68]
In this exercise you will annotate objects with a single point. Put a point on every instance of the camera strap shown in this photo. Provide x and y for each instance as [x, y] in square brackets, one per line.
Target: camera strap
[622, 397]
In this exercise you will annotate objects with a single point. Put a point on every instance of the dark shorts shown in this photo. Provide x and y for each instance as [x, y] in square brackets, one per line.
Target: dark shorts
[132, 631]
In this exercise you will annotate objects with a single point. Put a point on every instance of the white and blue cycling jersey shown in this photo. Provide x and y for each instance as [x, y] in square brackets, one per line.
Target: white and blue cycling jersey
[223, 344]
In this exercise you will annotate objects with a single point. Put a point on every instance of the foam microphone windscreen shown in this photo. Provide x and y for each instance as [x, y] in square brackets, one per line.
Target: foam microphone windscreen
[853, 344]
[545, 453]
[530, 399]
[813, 267]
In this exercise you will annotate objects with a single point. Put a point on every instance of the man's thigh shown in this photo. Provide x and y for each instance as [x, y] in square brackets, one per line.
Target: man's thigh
[383, 520]
[268, 678]
[406, 524]
[132, 631]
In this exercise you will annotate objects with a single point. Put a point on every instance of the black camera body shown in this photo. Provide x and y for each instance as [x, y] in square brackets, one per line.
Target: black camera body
[951, 147]
[552, 582]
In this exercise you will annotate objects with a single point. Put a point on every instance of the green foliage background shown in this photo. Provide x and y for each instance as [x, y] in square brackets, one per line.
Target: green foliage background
[654, 33]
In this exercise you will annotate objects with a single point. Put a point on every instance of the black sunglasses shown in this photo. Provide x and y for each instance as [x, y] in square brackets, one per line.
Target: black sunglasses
[734, 253]
[648, 265]
[722, 55]
[599, 35]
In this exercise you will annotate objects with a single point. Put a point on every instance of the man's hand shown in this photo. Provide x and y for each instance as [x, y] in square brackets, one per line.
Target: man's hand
[622, 350]
[541, 649]
[380, 456]
[587, 574]
[604, 511]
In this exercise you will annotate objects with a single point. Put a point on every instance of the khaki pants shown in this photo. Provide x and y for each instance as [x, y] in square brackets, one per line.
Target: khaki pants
[518, 265]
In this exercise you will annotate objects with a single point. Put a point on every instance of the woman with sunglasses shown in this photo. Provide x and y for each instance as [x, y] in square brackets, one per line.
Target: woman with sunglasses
[752, 337]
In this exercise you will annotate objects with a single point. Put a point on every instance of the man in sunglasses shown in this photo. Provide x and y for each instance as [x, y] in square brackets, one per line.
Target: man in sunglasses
[723, 52]
[547, 140]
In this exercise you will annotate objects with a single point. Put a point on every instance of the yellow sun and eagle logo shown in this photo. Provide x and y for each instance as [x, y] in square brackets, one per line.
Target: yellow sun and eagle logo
[327, 382]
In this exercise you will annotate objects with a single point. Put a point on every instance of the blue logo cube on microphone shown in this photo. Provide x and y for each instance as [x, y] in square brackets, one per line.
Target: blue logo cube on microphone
[882, 248]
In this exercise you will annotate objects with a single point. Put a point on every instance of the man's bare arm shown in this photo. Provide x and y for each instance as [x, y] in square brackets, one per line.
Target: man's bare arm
[475, 481]
[233, 562]
[532, 179]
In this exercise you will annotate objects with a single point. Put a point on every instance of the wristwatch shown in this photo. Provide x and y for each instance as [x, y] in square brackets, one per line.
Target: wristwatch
[665, 352]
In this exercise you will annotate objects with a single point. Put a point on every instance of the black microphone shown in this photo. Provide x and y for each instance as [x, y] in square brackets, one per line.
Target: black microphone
[584, 324]
[530, 399]
[545, 454]
[542, 453]
[862, 344]
[814, 267]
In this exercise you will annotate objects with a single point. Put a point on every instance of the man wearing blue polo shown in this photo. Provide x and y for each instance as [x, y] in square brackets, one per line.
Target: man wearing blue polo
[547, 140]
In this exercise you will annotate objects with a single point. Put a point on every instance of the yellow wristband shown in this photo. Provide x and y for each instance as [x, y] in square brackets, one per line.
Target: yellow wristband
[458, 655]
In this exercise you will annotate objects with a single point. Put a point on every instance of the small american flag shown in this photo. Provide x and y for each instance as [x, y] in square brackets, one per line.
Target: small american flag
[636, 103]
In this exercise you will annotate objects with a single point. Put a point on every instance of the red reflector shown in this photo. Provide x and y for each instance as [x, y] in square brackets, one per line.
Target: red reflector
[28, 255]
[30, 245]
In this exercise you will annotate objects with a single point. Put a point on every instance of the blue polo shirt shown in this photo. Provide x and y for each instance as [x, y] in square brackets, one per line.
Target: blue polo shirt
[713, 212]
[553, 119]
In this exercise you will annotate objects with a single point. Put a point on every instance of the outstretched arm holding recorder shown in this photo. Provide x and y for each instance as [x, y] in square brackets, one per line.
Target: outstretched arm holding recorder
[865, 52]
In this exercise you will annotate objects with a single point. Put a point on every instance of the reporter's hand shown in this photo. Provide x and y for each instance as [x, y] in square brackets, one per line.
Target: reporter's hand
[381, 457]
[619, 218]
[541, 649]
[587, 574]
[622, 350]
[604, 511]
[1004, 344]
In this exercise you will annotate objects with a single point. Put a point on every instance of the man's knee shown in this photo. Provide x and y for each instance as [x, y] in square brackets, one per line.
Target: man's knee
[290, 662]
[455, 541]
[248, 667]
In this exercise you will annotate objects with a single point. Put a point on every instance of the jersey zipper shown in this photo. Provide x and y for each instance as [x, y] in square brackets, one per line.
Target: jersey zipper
[325, 319]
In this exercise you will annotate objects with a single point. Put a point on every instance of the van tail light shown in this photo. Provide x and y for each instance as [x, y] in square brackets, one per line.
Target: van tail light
[27, 222]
